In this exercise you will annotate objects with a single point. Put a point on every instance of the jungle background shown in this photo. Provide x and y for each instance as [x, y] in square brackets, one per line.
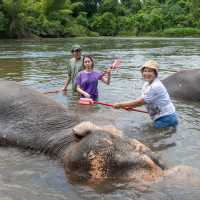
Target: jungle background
[71, 18]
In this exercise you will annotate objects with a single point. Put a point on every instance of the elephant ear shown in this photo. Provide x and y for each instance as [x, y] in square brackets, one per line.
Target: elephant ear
[138, 146]
[84, 128]
[113, 130]
[143, 149]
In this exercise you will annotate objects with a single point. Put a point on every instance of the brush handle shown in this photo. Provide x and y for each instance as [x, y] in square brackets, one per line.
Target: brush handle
[104, 104]
[135, 109]
[128, 109]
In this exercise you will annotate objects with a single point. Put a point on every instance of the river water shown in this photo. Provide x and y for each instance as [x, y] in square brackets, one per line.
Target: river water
[41, 64]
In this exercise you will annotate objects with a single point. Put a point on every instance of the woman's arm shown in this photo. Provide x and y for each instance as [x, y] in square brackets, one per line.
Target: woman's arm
[106, 77]
[85, 94]
[135, 103]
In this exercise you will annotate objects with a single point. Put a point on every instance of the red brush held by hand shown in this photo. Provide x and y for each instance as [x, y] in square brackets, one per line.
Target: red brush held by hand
[89, 101]
[116, 64]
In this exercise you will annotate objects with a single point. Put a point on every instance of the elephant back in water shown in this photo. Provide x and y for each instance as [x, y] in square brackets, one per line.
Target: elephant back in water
[184, 85]
[30, 120]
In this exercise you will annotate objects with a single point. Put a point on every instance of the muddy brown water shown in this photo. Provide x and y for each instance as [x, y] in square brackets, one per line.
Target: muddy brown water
[41, 64]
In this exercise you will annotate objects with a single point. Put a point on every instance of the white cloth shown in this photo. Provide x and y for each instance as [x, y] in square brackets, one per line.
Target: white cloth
[157, 100]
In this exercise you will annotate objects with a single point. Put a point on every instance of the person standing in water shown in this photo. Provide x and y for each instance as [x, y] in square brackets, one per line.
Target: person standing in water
[155, 97]
[74, 66]
[87, 80]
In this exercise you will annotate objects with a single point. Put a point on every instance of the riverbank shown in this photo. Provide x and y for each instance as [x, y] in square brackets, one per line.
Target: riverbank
[170, 32]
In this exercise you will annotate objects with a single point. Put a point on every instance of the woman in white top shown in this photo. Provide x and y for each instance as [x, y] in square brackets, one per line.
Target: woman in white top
[155, 97]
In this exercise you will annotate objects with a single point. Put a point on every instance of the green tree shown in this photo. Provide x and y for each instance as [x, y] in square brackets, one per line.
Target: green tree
[3, 20]
[126, 25]
[132, 5]
[13, 10]
[105, 24]
[77, 8]
[53, 5]
[88, 6]
[195, 12]
[112, 6]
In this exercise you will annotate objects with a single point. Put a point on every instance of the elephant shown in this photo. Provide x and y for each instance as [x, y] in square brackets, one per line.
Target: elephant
[31, 120]
[184, 85]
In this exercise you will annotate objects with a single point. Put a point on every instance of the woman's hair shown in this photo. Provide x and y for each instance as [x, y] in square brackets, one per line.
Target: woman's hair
[155, 72]
[90, 57]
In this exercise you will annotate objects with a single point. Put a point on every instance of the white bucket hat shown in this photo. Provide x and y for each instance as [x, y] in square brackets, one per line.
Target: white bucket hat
[150, 64]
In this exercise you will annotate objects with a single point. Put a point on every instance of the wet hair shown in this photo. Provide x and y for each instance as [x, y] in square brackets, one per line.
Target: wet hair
[90, 57]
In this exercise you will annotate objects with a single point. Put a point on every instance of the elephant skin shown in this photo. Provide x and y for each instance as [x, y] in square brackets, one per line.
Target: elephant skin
[30, 120]
[184, 85]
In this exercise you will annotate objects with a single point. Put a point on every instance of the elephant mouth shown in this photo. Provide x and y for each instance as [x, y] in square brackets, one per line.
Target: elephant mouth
[100, 154]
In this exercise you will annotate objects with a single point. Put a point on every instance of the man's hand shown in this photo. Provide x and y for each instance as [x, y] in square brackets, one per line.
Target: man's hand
[64, 89]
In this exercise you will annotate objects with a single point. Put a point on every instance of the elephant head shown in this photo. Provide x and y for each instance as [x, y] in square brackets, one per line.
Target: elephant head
[102, 152]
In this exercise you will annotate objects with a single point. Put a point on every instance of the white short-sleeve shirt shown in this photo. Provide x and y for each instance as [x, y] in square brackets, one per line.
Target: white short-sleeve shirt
[157, 100]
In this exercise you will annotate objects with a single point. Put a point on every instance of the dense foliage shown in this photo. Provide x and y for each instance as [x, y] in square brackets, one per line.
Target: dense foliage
[62, 18]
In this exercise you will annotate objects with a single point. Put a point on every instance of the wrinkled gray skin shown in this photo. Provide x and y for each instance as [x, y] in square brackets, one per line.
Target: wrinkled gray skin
[184, 85]
[29, 119]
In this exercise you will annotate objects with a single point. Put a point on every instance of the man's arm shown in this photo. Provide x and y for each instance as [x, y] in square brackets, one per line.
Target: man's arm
[67, 82]
[69, 77]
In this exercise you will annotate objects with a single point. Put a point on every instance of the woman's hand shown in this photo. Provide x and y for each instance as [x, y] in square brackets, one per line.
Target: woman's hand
[117, 105]
[86, 95]
[64, 89]
[106, 76]
[107, 72]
